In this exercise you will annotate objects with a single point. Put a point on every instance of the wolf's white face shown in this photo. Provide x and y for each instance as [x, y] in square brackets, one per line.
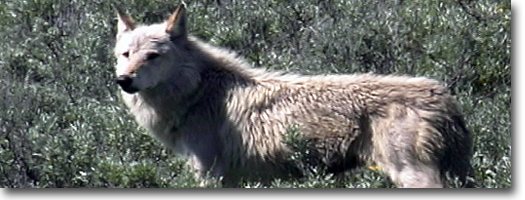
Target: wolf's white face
[150, 55]
[141, 56]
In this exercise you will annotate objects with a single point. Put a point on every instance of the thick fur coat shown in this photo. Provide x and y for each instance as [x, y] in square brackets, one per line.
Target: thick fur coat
[240, 123]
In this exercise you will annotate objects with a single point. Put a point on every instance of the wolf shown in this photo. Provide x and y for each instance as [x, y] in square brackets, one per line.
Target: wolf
[240, 123]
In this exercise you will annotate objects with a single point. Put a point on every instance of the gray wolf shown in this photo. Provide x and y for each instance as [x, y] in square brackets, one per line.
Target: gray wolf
[240, 123]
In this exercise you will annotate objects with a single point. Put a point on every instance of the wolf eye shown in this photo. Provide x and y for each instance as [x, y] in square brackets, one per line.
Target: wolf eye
[152, 56]
[126, 54]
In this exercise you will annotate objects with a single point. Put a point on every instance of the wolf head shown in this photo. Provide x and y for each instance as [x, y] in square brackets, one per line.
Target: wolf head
[149, 56]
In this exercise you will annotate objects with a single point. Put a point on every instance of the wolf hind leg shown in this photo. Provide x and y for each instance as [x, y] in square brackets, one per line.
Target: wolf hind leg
[417, 176]
[398, 149]
[405, 170]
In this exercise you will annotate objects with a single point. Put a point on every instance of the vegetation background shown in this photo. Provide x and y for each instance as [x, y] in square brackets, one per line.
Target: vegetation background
[62, 123]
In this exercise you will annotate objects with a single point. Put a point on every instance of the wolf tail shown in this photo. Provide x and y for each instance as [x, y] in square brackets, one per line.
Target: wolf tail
[455, 160]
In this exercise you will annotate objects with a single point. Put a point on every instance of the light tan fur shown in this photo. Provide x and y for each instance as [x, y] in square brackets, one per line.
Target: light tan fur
[234, 121]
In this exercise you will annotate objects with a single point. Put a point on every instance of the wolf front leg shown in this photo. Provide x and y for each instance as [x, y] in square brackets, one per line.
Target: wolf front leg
[209, 173]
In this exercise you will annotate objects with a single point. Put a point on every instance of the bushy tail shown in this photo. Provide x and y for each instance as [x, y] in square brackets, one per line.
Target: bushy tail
[455, 165]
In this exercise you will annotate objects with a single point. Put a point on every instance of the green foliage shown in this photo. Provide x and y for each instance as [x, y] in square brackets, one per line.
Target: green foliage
[62, 123]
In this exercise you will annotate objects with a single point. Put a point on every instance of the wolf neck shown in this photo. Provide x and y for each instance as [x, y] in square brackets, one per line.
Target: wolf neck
[226, 63]
[154, 112]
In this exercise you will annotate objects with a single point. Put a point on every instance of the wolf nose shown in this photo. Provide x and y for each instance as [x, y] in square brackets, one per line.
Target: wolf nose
[125, 82]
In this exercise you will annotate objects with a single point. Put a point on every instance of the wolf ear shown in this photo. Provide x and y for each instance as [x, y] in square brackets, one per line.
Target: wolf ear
[125, 23]
[176, 24]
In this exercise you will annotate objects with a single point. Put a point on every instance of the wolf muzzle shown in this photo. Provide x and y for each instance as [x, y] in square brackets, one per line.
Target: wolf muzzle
[125, 83]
